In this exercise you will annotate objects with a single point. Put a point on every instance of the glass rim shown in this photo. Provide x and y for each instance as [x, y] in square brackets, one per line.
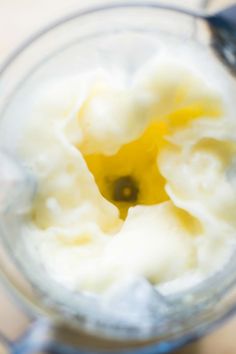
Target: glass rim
[88, 10]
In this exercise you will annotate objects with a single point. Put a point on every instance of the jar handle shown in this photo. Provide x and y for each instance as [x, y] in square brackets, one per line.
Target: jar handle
[5, 342]
[37, 338]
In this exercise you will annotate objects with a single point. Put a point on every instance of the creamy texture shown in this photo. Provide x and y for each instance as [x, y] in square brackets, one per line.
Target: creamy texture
[168, 130]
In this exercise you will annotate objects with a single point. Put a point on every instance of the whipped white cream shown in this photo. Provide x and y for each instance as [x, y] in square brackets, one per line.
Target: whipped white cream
[77, 128]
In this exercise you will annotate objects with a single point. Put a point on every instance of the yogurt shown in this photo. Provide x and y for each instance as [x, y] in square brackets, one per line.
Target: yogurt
[135, 176]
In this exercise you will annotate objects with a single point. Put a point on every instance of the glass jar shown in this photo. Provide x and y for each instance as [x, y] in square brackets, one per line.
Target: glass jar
[103, 35]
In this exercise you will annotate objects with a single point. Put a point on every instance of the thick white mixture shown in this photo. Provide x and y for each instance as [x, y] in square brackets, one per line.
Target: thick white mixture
[78, 234]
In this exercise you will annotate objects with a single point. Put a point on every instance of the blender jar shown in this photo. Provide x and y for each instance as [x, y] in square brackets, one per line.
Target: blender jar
[119, 34]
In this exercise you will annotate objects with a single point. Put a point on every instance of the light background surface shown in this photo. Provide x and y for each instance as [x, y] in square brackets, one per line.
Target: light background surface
[18, 19]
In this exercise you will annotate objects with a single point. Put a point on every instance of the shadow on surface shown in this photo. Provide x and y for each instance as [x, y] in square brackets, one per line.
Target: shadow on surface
[193, 348]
